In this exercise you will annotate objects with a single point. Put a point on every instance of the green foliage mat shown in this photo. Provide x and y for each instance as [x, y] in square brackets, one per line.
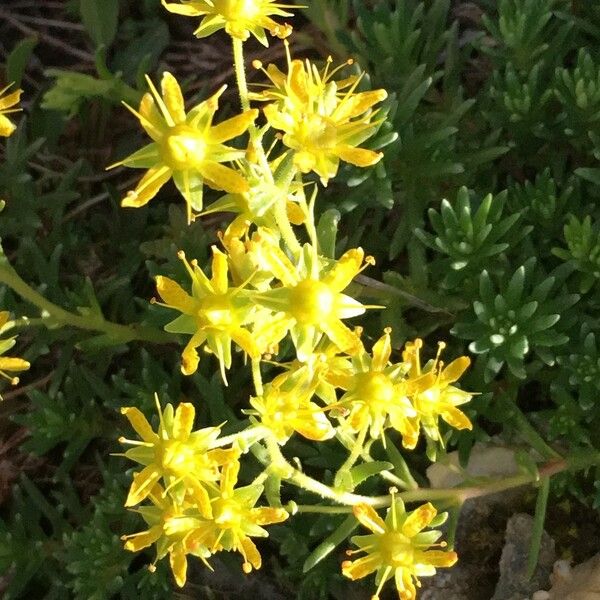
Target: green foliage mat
[483, 217]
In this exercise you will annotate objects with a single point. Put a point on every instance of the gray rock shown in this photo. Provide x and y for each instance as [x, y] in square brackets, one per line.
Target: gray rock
[513, 583]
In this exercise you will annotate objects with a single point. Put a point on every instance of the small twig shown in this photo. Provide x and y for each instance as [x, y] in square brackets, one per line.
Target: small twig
[46, 37]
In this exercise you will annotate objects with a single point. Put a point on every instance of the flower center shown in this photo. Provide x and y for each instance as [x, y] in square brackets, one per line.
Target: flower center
[176, 457]
[311, 302]
[374, 387]
[396, 550]
[216, 311]
[184, 148]
[227, 514]
[237, 10]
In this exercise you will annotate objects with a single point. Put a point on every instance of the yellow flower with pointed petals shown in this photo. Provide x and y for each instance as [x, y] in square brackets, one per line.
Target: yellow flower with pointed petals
[310, 302]
[175, 454]
[431, 391]
[214, 314]
[285, 407]
[171, 526]
[236, 520]
[398, 548]
[7, 106]
[10, 364]
[323, 121]
[186, 147]
[376, 393]
[239, 18]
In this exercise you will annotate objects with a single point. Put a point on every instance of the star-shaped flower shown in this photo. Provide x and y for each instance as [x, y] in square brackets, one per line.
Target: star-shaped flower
[398, 547]
[239, 18]
[186, 147]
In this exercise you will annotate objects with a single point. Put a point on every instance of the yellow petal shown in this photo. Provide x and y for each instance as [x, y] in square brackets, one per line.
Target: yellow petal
[357, 569]
[185, 10]
[251, 554]
[280, 265]
[345, 339]
[219, 280]
[223, 178]
[8, 363]
[174, 295]
[382, 350]
[178, 564]
[439, 558]
[170, 121]
[454, 370]
[356, 104]
[245, 340]
[314, 427]
[6, 126]
[345, 269]
[142, 485]
[368, 516]
[200, 495]
[266, 515]
[148, 187]
[229, 476]
[173, 98]
[233, 127]
[4, 316]
[10, 100]
[360, 157]
[150, 118]
[139, 541]
[189, 356]
[184, 421]
[419, 519]
[456, 418]
[140, 424]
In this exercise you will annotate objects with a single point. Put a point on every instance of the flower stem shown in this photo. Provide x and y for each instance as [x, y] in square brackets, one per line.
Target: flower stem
[121, 333]
[240, 72]
[356, 450]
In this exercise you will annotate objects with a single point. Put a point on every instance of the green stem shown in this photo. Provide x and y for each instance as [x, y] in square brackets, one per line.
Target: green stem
[240, 72]
[244, 438]
[456, 495]
[336, 510]
[284, 226]
[296, 477]
[356, 450]
[256, 377]
[538, 526]
[122, 333]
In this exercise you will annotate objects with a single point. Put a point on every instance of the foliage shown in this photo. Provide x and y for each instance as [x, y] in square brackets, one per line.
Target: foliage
[482, 217]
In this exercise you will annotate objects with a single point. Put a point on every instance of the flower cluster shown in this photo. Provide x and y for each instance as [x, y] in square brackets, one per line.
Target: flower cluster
[266, 287]
[190, 482]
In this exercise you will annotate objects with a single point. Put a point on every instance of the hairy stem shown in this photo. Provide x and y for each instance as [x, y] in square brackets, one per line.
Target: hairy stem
[122, 333]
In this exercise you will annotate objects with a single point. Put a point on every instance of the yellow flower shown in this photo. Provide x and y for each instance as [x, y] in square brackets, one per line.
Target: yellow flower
[7, 104]
[310, 302]
[175, 453]
[285, 407]
[239, 18]
[171, 527]
[215, 313]
[376, 393]
[185, 147]
[398, 547]
[10, 363]
[431, 391]
[323, 121]
[236, 520]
